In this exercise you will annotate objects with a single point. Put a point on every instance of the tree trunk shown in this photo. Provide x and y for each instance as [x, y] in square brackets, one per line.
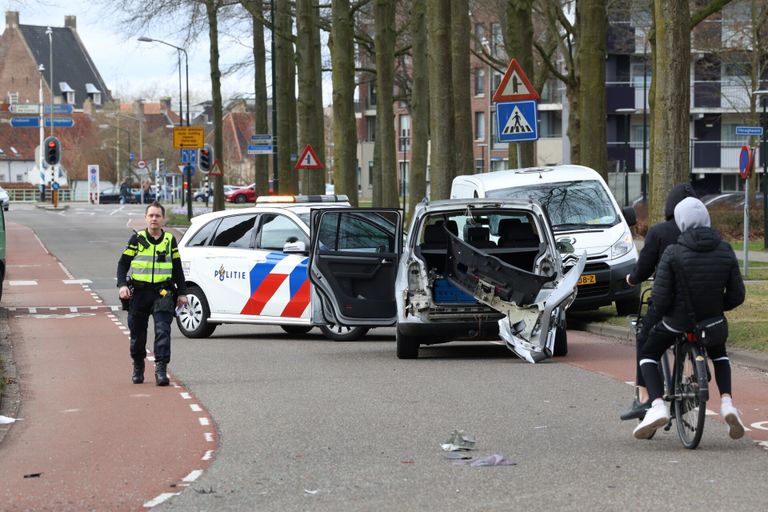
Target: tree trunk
[344, 123]
[384, 14]
[671, 76]
[261, 173]
[310, 108]
[419, 107]
[441, 120]
[462, 108]
[592, 21]
[519, 45]
[211, 9]
[286, 98]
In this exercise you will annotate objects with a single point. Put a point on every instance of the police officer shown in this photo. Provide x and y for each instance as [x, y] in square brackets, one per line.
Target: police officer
[149, 275]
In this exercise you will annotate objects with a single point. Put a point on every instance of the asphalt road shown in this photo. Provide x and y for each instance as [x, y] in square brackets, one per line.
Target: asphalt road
[309, 424]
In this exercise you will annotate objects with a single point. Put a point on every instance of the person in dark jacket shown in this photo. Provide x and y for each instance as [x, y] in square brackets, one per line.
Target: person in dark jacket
[658, 238]
[714, 285]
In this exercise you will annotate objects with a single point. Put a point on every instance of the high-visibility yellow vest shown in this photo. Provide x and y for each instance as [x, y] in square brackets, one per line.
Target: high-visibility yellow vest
[151, 263]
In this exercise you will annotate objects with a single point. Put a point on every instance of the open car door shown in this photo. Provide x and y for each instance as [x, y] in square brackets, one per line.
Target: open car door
[354, 255]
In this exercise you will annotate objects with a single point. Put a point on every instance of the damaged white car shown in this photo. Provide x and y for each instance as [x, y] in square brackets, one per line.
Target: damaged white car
[469, 269]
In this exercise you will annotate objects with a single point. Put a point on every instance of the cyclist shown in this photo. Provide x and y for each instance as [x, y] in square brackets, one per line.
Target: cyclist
[658, 238]
[714, 285]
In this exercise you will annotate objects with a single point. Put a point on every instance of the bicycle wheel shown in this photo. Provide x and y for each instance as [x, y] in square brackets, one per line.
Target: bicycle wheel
[690, 402]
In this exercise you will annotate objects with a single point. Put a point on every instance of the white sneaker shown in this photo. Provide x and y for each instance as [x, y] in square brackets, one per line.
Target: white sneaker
[731, 417]
[656, 417]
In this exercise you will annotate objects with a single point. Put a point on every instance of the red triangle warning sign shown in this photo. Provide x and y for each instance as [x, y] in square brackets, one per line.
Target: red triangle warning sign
[216, 169]
[515, 85]
[308, 159]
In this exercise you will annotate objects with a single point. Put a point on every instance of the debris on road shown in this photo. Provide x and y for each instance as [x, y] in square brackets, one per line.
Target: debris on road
[459, 440]
[5, 420]
[496, 459]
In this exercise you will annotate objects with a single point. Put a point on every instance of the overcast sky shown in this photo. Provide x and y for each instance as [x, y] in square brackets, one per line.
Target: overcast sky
[133, 69]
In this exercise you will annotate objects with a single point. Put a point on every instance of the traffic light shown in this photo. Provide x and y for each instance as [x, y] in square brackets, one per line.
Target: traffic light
[52, 150]
[205, 158]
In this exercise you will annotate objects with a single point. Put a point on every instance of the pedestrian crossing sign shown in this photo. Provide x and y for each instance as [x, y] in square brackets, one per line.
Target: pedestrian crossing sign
[516, 121]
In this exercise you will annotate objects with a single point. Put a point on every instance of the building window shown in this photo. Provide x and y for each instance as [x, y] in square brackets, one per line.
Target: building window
[370, 122]
[13, 98]
[404, 139]
[480, 125]
[371, 93]
[479, 81]
[497, 40]
[93, 93]
[550, 123]
[67, 92]
[731, 183]
[479, 164]
[479, 37]
[370, 173]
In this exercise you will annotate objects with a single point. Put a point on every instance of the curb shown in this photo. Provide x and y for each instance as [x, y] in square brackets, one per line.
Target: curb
[10, 399]
[741, 357]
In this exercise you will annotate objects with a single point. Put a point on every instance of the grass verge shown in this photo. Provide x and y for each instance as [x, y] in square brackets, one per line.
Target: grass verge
[747, 324]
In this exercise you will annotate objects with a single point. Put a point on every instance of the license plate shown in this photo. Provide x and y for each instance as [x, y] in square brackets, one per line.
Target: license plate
[587, 279]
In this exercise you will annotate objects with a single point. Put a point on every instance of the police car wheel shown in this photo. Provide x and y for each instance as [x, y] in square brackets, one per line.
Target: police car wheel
[193, 321]
[296, 329]
[343, 333]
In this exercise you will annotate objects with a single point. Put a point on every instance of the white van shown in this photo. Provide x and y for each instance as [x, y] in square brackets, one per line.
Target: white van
[584, 213]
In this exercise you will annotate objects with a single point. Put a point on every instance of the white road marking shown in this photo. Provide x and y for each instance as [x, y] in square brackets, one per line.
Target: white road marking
[22, 283]
[186, 396]
[139, 395]
[208, 455]
[77, 281]
[195, 407]
[208, 436]
[160, 498]
[70, 410]
[204, 421]
[760, 425]
[194, 475]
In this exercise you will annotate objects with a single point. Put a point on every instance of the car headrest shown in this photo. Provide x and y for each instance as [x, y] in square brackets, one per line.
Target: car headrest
[476, 233]
[513, 229]
[434, 234]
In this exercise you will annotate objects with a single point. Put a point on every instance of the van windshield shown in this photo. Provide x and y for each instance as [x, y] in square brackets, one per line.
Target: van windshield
[570, 204]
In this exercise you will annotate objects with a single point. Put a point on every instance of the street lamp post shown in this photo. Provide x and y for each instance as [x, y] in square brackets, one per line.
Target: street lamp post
[764, 158]
[404, 168]
[181, 50]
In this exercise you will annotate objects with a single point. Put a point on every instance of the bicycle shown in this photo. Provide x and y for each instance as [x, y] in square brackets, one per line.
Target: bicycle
[686, 381]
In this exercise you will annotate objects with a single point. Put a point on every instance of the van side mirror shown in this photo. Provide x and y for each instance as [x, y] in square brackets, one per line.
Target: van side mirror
[565, 247]
[629, 215]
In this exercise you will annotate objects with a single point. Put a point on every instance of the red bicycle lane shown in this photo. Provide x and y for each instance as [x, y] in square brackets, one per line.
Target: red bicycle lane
[615, 360]
[87, 438]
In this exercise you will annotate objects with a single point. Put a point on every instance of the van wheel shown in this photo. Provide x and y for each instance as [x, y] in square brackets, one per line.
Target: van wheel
[342, 332]
[193, 320]
[626, 307]
[296, 329]
[407, 346]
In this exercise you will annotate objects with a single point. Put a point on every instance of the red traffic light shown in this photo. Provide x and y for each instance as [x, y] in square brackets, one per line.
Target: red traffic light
[51, 144]
[52, 153]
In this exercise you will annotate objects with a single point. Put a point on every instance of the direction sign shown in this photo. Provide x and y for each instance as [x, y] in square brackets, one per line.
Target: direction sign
[25, 122]
[188, 156]
[59, 108]
[308, 159]
[261, 138]
[516, 121]
[260, 149]
[515, 86]
[188, 137]
[24, 109]
[59, 122]
[749, 130]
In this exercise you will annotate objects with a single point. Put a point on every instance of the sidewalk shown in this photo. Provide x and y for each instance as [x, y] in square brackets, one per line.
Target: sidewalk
[86, 437]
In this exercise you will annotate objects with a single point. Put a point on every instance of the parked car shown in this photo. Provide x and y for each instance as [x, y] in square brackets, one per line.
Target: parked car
[110, 195]
[5, 200]
[202, 194]
[728, 200]
[249, 266]
[242, 195]
[2, 251]
[149, 196]
[469, 269]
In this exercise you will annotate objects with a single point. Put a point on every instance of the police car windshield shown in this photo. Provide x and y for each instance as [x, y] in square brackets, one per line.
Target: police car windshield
[570, 205]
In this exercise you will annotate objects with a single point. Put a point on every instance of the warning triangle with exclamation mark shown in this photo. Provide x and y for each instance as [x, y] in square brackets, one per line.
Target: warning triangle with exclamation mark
[516, 123]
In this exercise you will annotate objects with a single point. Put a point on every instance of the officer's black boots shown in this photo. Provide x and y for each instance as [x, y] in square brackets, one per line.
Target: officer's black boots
[161, 376]
[138, 372]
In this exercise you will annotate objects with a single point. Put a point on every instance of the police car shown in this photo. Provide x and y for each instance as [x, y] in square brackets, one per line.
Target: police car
[249, 266]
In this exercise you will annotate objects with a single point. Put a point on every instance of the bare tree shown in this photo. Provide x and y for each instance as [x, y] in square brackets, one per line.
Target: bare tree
[442, 163]
[384, 15]
[343, 78]
[519, 44]
[460, 70]
[419, 107]
[286, 98]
